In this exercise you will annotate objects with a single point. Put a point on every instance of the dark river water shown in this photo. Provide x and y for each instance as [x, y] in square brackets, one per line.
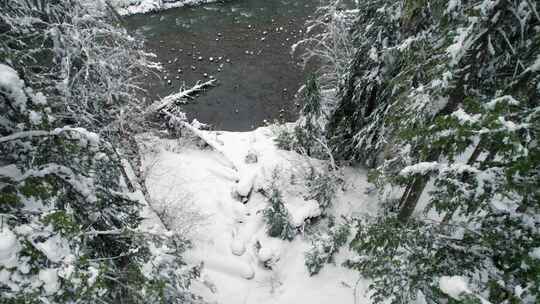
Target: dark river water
[244, 44]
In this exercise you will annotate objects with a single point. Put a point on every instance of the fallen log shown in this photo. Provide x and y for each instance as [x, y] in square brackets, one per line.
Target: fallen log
[179, 97]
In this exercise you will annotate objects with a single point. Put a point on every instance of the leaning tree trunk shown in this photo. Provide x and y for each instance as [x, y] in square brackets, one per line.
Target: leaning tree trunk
[413, 191]
[410, 197]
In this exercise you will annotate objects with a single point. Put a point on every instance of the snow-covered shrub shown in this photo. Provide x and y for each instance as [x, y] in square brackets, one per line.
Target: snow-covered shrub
[179, 215]
[324, 245]
[307, 134]
[69, 225]
[75, 53]
[309, 127]
[321, 185]
[277, 218]
[285, 138]
[329, 42]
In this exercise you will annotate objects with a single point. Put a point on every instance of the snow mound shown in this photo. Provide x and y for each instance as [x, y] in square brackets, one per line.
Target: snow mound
[270, 249]
[301, 211]
[245, 184]
[238, 247]
[49, 278]
[241, 263]
[8, 248]
[454, 286]
[12, 85]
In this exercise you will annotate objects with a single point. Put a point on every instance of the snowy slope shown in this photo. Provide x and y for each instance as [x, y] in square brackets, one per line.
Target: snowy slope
[231, 239]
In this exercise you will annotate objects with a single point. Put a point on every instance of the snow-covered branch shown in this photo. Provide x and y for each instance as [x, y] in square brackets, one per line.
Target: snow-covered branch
[82, 184]
[41, 133]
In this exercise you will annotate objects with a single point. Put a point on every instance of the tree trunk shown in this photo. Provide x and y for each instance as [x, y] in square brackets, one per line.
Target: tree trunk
[409, 199]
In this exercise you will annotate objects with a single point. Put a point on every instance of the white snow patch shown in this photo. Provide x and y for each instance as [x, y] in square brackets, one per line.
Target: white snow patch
[507, 98]
[238, 247]
[461, 44]
[35, 117]
[453, 5]
[13, 86]
[535, 253]
[454, 286]
[241, 263]
[245, 184]
[39, 99]
[54, 248]
[419, 168]
[9, 247]
[131, 7]
[465, 117]
[49, 278]
[535, 67]
[302, 211]
[93, 275]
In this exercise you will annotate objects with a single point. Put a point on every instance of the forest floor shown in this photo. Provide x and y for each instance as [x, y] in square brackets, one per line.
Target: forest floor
[195, 187]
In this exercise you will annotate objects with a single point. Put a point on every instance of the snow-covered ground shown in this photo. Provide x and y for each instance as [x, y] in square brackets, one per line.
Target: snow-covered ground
[130, 7]
[200, 187]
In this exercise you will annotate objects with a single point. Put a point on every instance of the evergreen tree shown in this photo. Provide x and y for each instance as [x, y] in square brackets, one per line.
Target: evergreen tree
[309, 127]
[277, 219]
[69, 223]
[324, 245]
[442, 101]
[307, 136]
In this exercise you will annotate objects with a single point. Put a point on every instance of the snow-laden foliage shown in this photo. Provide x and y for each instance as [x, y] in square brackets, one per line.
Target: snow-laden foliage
[442, 100]
[86, 65]
[70, 223]
[277, 217]
[70, 230]
[324, 245]
[307, 134]
[328, 44]
[321, 186]
[310, 126]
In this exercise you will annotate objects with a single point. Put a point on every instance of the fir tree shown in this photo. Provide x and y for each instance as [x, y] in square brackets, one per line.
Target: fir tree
[69, 221]
[309, 128]
[277, 219]
[442, 101]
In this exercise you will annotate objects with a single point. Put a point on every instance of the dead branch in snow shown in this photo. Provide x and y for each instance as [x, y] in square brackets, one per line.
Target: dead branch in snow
[164, 107]
[212, 143]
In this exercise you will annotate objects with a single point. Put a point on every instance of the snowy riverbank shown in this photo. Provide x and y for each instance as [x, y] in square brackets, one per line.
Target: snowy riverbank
[131, 7]
[197, 186]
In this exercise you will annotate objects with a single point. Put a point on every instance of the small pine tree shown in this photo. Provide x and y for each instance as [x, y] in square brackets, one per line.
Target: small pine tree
[309, 127]
[277, 218]
[321, 185]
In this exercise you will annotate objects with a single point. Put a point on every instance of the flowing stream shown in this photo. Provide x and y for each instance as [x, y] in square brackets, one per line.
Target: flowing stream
[244, 44]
